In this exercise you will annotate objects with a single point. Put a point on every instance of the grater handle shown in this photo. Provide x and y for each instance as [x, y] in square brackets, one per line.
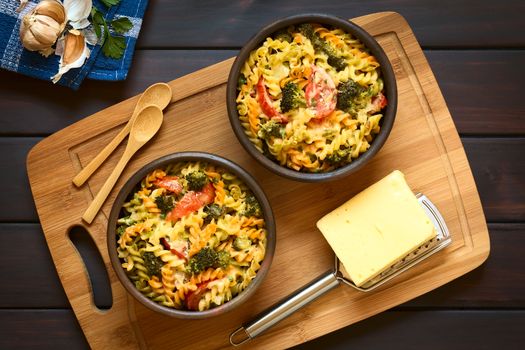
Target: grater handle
[285, 308]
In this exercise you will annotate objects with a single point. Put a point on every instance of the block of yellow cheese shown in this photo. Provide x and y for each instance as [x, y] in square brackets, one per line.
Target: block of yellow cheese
[377, 228]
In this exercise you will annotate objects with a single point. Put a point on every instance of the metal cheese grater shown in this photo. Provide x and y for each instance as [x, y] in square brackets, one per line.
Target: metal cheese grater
[335, 276]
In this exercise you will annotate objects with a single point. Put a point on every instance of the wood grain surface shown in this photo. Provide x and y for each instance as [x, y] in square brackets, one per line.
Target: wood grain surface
[479, 106]
[475, 50]
[56, 329]
[439, 169]
[437, 23]
[489, 157]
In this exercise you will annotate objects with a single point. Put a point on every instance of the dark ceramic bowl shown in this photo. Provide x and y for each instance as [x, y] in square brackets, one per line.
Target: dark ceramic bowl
[243, 175]
[387, 75]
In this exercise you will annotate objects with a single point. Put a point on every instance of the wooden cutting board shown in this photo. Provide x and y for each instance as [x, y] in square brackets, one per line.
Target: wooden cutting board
[424, 144]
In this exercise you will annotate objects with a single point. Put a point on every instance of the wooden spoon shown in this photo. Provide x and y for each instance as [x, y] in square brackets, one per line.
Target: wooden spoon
[144, 127]
[157, 94]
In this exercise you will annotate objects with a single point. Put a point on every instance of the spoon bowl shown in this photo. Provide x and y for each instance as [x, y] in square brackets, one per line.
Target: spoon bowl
[158, 94]
[146, 125]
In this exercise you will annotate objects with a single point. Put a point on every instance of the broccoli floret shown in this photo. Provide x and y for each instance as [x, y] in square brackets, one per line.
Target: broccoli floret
[307, 30]
[270, 129]
[196, 180]
[125, 221]
[241, 243]
[338, 157]
[152, 263]
[206, 258]
[251, 199]
[320, 45]
[293, 97]
[213, 211]
[283, 35]
[121, 229]
[241, 81]
[338, 63]
[253, 211]
[165, 203]
[253, 208]
[223, 259]
[347, 94]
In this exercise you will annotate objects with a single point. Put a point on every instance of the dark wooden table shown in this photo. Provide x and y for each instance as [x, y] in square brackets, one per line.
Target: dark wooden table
[476, 50]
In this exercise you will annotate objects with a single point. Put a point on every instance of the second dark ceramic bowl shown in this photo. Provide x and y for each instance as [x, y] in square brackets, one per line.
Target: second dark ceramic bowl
[228, 165]
[387, 75]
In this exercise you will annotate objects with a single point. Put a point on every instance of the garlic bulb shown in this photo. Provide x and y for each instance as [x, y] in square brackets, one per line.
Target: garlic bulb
[73, 52]
[41, 27]
[77, 12]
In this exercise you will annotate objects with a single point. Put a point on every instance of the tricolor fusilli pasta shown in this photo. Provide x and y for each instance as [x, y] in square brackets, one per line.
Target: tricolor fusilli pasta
[192, 237]
[311, 97]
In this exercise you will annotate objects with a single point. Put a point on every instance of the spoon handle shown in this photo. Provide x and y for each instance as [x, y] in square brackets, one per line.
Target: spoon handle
[85, 173]
[101, 196]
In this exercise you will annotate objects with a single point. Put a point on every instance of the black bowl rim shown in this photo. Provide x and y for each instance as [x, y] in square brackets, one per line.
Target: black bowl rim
[221, 162]
[389, 85]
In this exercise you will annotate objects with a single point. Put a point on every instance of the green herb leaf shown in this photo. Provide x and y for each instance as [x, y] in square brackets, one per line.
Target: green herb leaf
[110, 3]
[114, 46]
[98, 21]
[121, 25]
[97, 16]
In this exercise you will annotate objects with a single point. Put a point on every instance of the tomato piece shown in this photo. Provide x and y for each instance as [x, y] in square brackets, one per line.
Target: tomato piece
[266, 103]
[379, 102]
[193, 298]
[264, 99]
[171, 183]
[320, 92]
[207, 194]
[192, 201]
[188, 204]
[179, 254]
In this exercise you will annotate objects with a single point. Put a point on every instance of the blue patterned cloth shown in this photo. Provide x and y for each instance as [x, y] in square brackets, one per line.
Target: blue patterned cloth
[15, 58]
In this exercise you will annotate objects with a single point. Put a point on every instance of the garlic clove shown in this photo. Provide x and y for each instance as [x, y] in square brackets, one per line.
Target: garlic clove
[77, 12]
[45, 30]
[73, 51]
[53, 9]
[74, 44]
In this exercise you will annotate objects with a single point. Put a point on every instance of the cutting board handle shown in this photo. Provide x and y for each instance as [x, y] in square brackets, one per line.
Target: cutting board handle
[96, 270]
[95, 321]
